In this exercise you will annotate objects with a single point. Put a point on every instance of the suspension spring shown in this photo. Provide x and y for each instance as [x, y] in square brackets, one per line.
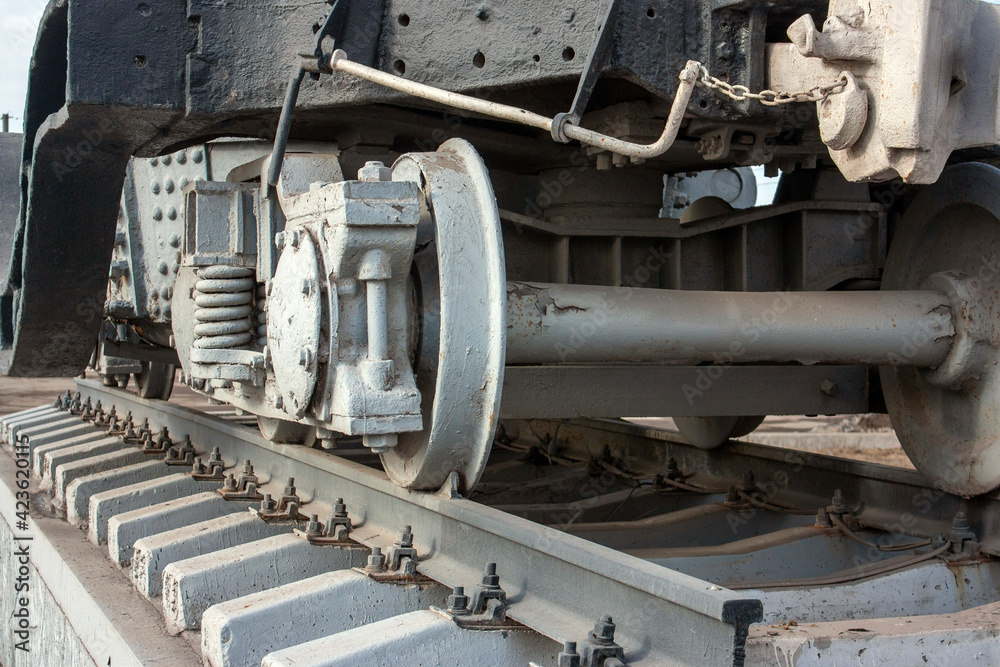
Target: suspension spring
[224, 297]
[261, 315]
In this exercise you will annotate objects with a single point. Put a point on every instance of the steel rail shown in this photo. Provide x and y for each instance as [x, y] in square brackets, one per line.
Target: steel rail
[543, 570]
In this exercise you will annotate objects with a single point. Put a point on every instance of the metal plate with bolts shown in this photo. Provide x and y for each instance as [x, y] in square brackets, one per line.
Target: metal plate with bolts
[293, 321]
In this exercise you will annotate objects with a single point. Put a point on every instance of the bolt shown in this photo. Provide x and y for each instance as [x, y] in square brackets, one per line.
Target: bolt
[339, 508]
[268, 504]
[314, 528]
[307, 286]
[823, 519]
[305, 357]
[199, 468]
[749, 482]
[838, 504]
[829, 387]
[604, 631]
[568, 657]
[483, 13]
[230, 483]
[673, 471]
[290, 487]
[458, 602]
[405, 540]
[374, 172]
[376, 561]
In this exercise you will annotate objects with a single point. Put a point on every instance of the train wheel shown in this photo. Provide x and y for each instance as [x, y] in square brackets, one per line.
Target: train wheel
[461, 279]
[280, 430]
[155, 380]
[946, 418]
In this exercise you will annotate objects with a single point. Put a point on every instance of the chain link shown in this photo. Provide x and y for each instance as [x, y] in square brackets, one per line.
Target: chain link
[771, 98]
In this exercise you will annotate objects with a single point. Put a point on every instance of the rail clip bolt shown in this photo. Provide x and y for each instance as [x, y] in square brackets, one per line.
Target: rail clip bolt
[604, 631]
[458, 602]
[568, 657]
[376, 561]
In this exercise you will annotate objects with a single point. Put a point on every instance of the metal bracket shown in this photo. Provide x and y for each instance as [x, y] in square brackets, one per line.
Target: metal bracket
[600, 53]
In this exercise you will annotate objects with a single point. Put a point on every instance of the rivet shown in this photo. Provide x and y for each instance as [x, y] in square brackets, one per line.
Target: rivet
[184, 182]
[155, 187]
[172, 213]
[182, 157]
[165, 292]
[157, 213]
[164, 268]
[153, 162]
[175, 239]
[198, 156]
[169, 186]
[167, 160]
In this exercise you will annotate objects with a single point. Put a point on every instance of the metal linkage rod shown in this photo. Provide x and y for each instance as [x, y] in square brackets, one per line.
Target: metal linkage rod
[576, 323]
[339, 62]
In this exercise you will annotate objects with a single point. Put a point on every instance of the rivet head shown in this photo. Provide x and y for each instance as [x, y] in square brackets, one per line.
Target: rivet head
[172, 213]
[198, 155]
[167, 160]
[164, 269]
[181, 157]
[175, 239]
[155, 187]
[169, 186]
[153, 162]
[157, 214]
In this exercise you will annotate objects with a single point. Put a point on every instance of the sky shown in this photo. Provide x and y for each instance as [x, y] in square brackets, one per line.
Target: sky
[18, 24]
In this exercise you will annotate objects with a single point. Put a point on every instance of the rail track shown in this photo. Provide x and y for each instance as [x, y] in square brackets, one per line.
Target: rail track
[585, 543]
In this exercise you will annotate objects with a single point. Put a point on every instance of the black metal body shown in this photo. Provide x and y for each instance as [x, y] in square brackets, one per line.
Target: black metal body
[110, 80]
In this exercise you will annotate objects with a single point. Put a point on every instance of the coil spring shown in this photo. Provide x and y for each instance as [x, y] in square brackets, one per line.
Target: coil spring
[261, 315]
[224, 296]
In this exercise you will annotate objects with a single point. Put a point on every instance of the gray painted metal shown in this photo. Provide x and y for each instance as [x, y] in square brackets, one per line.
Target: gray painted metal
[677, 391]
[550, 323]
[456, 537]
[463, 296]
[244, 630]
[950, 430]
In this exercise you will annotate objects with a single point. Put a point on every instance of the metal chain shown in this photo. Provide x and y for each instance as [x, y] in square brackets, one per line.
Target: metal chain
[771, 98]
